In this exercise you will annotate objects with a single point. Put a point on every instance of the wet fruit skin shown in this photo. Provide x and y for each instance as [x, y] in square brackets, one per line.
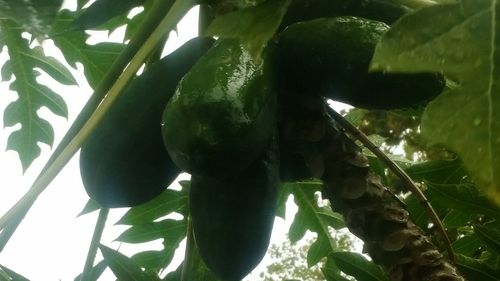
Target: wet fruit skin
[380, 10]
[222, 114]
[330, 57]
[233, 217]
[124, 163]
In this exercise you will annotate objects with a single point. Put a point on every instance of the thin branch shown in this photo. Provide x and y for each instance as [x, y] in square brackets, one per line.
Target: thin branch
[94, 244]
[403, 176]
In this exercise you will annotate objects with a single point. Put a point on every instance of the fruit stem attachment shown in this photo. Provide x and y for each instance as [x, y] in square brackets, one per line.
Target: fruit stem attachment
[94, 244]
[400, 173]
[168, 22]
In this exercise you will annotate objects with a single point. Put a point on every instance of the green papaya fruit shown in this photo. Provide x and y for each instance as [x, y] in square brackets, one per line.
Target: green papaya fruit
[330, 57]
[124, 163]
[381, 10]
[232, 218]
[222, 114]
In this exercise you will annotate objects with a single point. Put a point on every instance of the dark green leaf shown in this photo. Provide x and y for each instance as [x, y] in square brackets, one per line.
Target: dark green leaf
[96, 59]
[461, 45]
[101, 11]
[153, 260]
[23, 64]
[89, 207]
[467, 245]
[456, 219]
[476, 270]
[437, 171]
[357, 266]
[167, 202]
[149, 231]
[462, 197]
[97, 271]
[34, 16]
[254, 26]
[123, 267]
[490, 236]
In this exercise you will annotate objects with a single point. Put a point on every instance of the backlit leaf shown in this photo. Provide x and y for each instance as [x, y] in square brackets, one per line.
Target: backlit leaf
[463, 45]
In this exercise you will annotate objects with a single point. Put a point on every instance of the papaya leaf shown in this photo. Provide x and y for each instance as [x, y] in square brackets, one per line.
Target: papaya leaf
[490, 237]
[167, 229]
[167, 202]
[102, 11]
[357, 266]
[90, 206]
[312, 217]
[467, 245]
[123, 267]
[493, 261]
[437, 171]
[96, 59]
[34, 16]
[254, 26]
[24, 64]
[476, 270]
[12, 274]
[462, 45]
[456, 219]
[462, 197]
[97, 271]
[154, 260]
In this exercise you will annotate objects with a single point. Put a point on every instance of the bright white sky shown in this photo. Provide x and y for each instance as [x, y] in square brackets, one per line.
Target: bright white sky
[51, 243]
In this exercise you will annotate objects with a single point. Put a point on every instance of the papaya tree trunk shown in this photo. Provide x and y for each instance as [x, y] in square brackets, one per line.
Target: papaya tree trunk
[370, 210]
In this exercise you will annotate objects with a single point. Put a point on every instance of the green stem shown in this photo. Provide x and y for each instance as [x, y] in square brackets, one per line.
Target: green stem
[205, 17]
[402, 175]
[94, 244]
[178, 9]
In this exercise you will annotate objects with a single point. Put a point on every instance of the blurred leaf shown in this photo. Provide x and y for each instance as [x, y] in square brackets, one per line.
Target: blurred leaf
[123, 267]
[357, 266]
[96, 59]
[89, 207]
[474, 269]
[492, 260]
[97, 271]
[13, 275]
[167, 202]
[254, 26]
[101, 11]
[149, 231]
[462, 197]
[34, 16]
[465, 118]
[490, 236]
[24, 65]
[467, 245]
[437, 171]
[456, 219]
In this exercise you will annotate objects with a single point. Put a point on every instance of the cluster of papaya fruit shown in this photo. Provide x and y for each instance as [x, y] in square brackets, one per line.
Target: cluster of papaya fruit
[216, 111]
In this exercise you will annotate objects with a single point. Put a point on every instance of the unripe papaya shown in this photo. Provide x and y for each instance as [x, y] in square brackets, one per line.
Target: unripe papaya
[233, 217]
[222, 114]
[124, 163]
[381, 10]
[331, 56]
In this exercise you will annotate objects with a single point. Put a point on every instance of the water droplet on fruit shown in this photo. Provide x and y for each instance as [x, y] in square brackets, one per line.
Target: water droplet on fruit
[477, 121]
